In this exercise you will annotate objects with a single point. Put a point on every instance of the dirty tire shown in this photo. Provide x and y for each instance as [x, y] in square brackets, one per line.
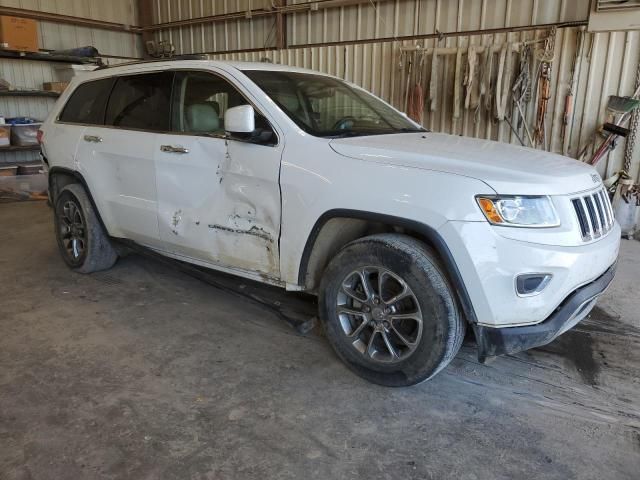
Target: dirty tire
[418, 266]
[98, 252]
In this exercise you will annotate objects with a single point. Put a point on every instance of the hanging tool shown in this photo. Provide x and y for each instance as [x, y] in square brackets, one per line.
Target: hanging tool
[521, 90]
[433, 81]
[505, 71]
[457, 85]
[544, 94]
[500, 101]
[401, 59]
[623, 108]
[483, 82]
[408, 82]
[567, 116]
[508, 74]
[415, 109]
[634, 127]
[488, 80]
[472, 60]
[545, 55]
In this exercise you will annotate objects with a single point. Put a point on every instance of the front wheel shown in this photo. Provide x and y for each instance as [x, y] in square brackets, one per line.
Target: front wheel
[388, 310]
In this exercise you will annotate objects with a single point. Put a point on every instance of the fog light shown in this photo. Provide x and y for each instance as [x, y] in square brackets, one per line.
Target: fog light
[532, 283]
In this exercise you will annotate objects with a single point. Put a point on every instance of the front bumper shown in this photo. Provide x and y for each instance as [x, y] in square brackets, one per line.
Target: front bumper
[489, 263]
[500, 341]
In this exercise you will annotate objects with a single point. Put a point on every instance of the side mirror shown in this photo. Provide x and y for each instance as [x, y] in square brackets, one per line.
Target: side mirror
[240, 119]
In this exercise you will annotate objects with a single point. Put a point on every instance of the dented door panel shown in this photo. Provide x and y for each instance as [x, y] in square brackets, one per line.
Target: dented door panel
[220, 201]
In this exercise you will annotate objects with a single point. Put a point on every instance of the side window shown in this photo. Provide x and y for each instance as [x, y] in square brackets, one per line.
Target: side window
[141, 101]
[200, 101]
[87, 103]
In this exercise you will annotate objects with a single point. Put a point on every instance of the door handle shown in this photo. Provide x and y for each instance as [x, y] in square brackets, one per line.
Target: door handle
[92, 138]
[173, 149]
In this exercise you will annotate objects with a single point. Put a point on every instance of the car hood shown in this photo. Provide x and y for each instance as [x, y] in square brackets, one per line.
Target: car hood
[508, 169]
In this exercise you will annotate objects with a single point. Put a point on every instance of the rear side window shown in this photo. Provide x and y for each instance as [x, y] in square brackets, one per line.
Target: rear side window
[141, 102]
[87, 103]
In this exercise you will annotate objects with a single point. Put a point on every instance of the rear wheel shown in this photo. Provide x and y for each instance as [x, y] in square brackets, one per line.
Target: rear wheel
[83, 243]
[388, 310]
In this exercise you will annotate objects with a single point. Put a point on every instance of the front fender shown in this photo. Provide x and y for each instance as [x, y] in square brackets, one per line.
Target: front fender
[317, 183]
[425, 231]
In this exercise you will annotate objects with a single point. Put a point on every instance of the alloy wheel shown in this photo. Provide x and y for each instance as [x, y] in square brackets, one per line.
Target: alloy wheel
[379, 314]
[73, 231]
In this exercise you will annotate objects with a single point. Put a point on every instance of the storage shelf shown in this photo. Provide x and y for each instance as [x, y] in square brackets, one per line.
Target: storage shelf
[29, 93]
[45, 57]
[20, 148]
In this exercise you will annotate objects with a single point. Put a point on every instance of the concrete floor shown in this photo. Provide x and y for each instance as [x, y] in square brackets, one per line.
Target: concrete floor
[144, 372]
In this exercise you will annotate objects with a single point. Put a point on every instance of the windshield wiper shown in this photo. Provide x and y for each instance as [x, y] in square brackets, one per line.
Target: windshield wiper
[344, 134]
[411, 130]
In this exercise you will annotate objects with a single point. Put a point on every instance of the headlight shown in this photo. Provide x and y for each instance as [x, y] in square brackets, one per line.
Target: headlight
[519, 211]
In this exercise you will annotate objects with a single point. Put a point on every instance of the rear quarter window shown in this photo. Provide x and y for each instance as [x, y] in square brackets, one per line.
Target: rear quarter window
[87, 103]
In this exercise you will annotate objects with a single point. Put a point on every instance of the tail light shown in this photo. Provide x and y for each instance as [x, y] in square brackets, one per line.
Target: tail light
[40, 136]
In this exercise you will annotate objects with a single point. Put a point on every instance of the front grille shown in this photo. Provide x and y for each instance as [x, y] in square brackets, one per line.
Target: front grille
[594, 213]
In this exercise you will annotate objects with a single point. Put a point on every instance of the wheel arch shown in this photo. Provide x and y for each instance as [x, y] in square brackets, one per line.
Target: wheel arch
[60, 177]
[335, 228]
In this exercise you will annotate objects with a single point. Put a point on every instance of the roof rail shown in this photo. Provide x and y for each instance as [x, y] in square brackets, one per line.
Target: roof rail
[194, 56]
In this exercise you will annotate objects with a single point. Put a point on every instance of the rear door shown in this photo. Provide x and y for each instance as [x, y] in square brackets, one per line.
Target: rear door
[218, 198]
[117, 158]
[85, 106]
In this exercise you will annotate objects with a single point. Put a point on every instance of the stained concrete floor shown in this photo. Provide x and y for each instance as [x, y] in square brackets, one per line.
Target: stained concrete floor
[144, 372]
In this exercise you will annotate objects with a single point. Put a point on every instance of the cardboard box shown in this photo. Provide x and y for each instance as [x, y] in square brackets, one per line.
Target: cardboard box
[5, 135]
[19, 34]
[55, 86]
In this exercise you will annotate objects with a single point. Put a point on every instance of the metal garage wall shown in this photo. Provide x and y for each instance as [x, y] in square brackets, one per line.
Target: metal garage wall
[31, 74]
[608, 64]
[374, 20]
[60, 36]
[608, 69]
[422, 17]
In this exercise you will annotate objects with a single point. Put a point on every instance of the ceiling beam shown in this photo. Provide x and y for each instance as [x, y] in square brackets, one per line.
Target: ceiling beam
[260, 12]
[439, 35]
[68, 19]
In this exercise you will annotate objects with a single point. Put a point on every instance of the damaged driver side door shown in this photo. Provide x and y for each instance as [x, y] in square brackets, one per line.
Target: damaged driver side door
[218, 198]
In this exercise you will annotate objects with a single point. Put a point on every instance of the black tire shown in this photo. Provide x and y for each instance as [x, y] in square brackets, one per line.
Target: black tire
[96, 252]
[442, 327]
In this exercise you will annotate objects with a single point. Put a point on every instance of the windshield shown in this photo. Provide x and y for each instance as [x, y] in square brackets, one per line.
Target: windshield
[327, 107]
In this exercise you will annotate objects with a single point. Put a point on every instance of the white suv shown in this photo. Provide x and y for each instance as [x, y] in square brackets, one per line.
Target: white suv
[299, 179]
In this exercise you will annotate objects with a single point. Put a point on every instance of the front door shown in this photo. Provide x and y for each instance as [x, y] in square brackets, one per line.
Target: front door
[218, 199]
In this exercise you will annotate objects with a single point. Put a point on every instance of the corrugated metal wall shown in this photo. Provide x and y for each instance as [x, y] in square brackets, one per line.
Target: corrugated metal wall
[606, 67]
[52, 36]
[357, 22]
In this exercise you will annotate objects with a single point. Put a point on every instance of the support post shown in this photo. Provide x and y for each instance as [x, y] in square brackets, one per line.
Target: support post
[145, 19]
[281, 25]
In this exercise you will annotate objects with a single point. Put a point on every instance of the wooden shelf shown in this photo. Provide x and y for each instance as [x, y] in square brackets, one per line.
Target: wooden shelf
[20, 148]
[29, 93]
